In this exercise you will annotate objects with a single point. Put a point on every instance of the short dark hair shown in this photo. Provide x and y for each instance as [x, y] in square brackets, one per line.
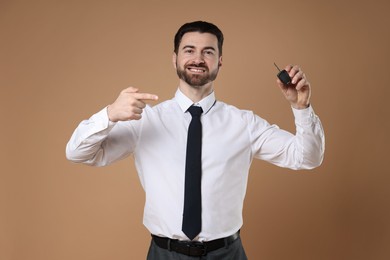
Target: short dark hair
[198, 26]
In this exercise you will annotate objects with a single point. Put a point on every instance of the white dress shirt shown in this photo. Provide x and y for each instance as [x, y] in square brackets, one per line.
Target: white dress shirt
[231, 139]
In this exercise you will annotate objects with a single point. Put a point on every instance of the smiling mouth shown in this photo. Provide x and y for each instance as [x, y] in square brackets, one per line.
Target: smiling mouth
[196, 69]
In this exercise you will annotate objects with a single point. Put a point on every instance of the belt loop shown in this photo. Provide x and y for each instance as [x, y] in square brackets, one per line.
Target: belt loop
[226, 242]
[169, 244]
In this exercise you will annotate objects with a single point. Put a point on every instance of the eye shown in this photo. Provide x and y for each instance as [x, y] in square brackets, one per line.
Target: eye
[188, 51]
[209, 52]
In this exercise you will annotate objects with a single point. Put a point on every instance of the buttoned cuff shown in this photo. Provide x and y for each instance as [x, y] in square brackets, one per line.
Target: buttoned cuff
[304, 116]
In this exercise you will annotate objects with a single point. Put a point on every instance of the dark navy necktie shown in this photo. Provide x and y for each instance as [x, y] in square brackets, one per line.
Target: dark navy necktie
[192, 221]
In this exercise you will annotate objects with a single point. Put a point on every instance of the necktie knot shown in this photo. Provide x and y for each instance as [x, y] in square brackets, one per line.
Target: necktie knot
[195, 111]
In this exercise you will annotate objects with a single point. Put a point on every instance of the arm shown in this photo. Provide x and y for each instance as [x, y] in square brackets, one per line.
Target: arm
[305, 149]
[108, 135]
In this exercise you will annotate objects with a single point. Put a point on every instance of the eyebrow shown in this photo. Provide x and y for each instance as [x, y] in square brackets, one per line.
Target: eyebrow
[193, 47]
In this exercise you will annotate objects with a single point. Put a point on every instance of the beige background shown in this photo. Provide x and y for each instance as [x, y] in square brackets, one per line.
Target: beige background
[61, 61]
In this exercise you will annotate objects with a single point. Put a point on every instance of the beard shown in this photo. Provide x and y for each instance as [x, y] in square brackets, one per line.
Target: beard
[196, 80]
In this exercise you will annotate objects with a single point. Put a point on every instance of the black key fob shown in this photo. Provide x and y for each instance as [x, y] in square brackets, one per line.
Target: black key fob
[283, 76]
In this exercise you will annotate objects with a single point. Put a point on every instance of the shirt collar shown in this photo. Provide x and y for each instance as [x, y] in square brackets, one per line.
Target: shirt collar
[184, 102]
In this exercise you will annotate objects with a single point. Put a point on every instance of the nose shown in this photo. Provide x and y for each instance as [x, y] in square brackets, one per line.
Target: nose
[198, 58]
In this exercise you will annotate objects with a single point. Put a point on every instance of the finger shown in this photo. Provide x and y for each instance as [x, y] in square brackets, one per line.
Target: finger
[145, 96]
[136, 117]
[299, 85]
[137, 110]
[135, 113]
[138, 103]
[294, 70]
[130, 90]
[297, 77]
[302, 83]
[289, 67]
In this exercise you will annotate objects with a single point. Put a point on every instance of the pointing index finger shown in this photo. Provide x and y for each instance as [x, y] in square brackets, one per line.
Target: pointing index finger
[145, 96]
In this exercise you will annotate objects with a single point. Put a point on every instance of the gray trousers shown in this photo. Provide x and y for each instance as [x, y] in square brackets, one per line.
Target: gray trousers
[235, 251]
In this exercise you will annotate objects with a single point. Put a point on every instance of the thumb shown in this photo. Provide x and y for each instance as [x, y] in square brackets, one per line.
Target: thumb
[130, 90]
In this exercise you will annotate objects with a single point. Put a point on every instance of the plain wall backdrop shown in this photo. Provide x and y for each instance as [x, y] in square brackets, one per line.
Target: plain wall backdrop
[62, 61]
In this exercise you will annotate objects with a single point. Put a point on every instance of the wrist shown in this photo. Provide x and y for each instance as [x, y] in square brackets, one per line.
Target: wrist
[110, 114]
[300, 105]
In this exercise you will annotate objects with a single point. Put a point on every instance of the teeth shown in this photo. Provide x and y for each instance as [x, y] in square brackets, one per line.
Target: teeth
[197, 70]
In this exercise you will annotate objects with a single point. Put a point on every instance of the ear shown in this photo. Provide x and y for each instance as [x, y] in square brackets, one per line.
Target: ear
[220, 61]
[174, 57]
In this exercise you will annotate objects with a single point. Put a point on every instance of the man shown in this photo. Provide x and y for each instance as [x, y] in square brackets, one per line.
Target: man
[193, 207]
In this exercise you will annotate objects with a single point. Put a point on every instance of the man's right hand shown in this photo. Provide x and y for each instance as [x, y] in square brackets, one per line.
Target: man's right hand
[129, 105]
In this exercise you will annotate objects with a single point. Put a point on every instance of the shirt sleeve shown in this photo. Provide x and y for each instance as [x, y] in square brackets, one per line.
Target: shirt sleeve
[99, 142]
[304, 150]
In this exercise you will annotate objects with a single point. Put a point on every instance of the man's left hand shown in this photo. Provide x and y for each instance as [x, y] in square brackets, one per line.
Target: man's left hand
[298, 91]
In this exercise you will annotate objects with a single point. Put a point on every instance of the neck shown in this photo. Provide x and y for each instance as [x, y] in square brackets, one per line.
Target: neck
[196, 94]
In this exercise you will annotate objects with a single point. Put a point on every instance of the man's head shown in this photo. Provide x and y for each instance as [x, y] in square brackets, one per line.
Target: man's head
[198, 53]
[201, 27]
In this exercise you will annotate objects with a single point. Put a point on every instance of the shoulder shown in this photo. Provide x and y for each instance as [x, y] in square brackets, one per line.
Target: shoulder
[246, 116]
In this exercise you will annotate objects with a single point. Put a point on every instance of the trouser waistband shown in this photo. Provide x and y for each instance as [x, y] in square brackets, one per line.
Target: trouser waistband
[194, 248]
